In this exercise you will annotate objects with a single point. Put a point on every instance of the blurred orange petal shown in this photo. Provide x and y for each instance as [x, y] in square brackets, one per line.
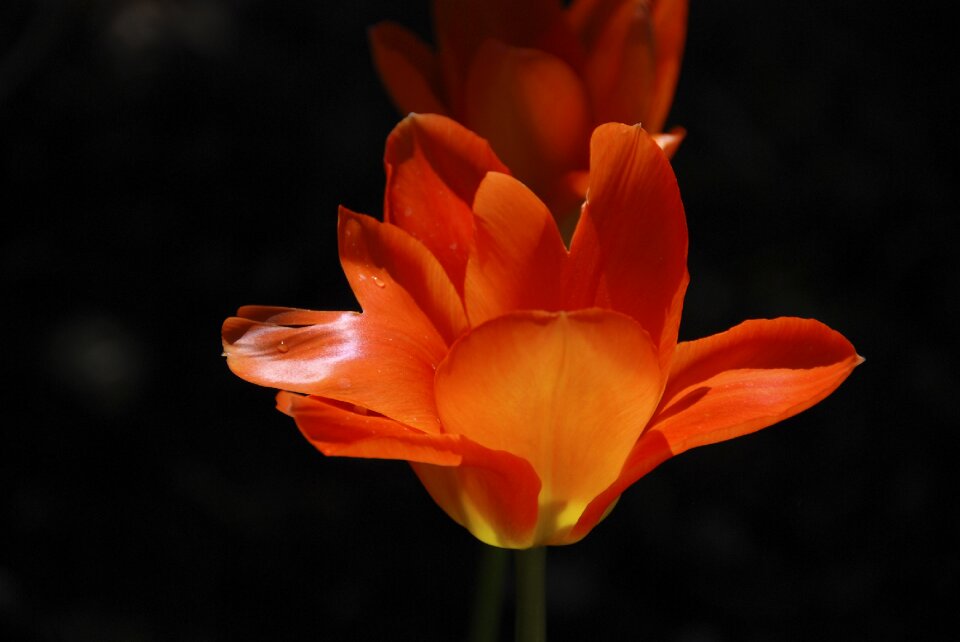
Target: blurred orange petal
[461, 27]
[532, 107]
[670, 35]
[670, 141]
[407, 68]
[619, 70]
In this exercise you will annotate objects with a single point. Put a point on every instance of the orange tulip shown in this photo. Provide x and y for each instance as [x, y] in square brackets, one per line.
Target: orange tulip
[534, 79]
[529, 385]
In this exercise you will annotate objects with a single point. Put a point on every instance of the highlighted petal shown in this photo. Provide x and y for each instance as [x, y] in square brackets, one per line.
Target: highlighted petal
[568, 392]
[533, 109]
[629, 250]
[408, 69]
[734, 383]
[491, 493]
[434, 166]
[394, 275]
[518, 256]
[670, 141]
[374, 363]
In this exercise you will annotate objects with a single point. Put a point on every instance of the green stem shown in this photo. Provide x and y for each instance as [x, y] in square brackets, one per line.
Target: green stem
[488, 600]
[531, 618]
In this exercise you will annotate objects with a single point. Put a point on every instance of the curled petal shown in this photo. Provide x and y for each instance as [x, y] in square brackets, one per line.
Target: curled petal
[533, 109]
[374, 363]
[434, 166]
[516, 235]
[407, 68]
[569, 392]
[734, 383]
[629, 250]
[394, 275]
[342, 430]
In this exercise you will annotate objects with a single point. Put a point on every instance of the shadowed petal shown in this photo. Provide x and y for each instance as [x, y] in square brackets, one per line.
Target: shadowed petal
[629, 250]
[734, 383]
[533, 109]
[341, 430]
[619, 70]
[394, 275]
[670, 34]
[634, 49]
[434, 166]
[407, 68]
[491, 493]
[462, 26]
[570, 392]
[518, 256]
[375, 363]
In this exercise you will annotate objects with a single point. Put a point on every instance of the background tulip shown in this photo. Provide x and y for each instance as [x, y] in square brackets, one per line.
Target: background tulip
[534, 78]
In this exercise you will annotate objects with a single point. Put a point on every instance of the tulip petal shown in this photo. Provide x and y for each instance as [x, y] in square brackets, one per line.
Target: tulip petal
[434, 166]
[629, 250]
[408, 69]
[670, 34]
[634, 49]
[619, 69]
[670, 141]
[462, 26]
[731, 384]
[341, 430]
[394, 275]
[491, 493]
[570, 392]
[376, 363]
[533, 108]
[518, 255]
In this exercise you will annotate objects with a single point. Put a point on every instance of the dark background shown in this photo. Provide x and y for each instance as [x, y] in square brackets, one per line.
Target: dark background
[162, 163]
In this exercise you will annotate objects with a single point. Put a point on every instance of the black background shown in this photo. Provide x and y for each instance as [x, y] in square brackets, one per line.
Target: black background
[162, 163]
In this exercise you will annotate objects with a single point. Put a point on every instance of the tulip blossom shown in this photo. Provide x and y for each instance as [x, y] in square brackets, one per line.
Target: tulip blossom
[528, 383]
[534, 78]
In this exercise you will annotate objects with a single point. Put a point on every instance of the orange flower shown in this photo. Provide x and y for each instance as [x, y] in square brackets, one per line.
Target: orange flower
[529, 385]
[534, 78]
